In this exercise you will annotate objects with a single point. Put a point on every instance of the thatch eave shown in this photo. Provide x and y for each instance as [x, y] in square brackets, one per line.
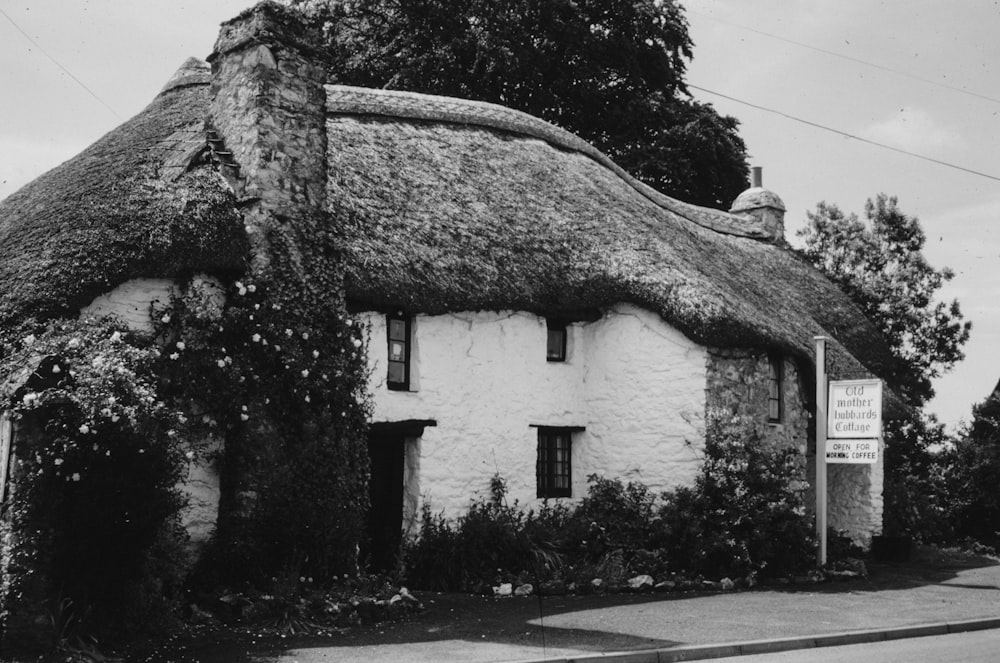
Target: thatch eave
[139, 202]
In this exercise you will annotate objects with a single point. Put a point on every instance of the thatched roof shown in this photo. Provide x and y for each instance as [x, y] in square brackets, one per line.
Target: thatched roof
[466, 206]
[136, 203]
[447, 205]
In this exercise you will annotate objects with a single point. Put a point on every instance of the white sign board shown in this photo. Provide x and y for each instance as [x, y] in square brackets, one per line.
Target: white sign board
[852, 451]
[854, 410]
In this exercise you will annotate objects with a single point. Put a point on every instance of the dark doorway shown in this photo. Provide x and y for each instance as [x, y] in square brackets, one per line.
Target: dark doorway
[386, 449]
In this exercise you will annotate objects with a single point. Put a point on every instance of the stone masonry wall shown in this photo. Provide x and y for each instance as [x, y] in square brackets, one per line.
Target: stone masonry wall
[269, 107]
[738, 384]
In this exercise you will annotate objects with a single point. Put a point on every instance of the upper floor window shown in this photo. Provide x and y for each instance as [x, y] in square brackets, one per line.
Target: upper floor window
[775, 379]
[398, 333]
[556, 346]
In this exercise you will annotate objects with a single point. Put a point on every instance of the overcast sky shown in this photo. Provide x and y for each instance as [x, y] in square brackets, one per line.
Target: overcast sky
[917, 75]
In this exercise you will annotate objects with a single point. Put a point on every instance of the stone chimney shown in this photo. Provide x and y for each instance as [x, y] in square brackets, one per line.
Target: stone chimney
[762, 205]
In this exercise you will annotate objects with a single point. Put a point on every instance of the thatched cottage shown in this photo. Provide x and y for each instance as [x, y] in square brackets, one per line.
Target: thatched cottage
[531, 310]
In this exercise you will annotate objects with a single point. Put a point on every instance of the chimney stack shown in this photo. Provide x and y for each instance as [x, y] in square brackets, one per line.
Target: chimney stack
[762, 205]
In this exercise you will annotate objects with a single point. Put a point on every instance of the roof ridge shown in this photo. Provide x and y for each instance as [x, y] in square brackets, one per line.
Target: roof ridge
[192, 72]
[352, 100]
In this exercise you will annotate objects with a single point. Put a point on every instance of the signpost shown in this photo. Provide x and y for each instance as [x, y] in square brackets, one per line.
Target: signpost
[852, 412]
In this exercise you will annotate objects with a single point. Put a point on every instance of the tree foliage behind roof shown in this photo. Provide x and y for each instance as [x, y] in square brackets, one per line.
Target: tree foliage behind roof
[610, 71]
[881, 265]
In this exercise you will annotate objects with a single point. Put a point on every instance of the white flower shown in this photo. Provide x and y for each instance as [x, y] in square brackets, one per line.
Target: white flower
[165, 319]
[277, 348]
[73, 343]
[251, 288]
[221, 363]
[76, 476]
[28, 340]
[228, 360]
[189, 455]
[357, 342]
[114, 418]
[84, 429]
[308, 400]
[117, 336]
[305, 336]
[315, 354]
[141, 450]
[56, 369]
[305, 372]
[174, 355]
[180, 345]
[29, 398]
[255, 338]
[244, 416]
[241, 288]
[288, 332]
[58, 461]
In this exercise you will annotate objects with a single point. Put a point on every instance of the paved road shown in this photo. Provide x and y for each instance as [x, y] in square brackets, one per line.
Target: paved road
[575, 630]
[975, 647]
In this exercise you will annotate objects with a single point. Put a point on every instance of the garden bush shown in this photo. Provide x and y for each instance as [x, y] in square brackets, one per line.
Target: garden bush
[744, 517]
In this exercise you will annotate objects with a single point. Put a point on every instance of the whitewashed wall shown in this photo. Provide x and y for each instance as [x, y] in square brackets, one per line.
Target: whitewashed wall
[636, 384]
[132, 303]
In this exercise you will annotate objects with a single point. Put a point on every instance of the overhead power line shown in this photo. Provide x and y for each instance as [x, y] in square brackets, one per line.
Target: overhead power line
[849, 58]
[845, 134]
[59, 64]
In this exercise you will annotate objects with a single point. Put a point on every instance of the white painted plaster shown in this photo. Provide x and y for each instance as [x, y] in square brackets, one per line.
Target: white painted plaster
[201, 491]
[636, 384]
[131, 301]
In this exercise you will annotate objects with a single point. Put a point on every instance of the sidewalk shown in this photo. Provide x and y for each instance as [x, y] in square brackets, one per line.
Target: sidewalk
[897, 601]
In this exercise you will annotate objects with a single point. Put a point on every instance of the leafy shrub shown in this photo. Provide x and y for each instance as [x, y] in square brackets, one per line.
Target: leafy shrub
[95, 493]
[743, 517]
[486, 545]
[745, 514]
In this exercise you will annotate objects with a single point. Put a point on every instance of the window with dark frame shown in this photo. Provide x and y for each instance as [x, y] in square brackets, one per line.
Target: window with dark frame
[398, 333]
[553, 468]
[775, 405]
[556, 347]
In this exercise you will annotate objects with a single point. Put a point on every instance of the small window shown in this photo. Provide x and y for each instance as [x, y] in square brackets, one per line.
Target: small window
[556, 349]
[554, 468]
[775, 405]
[398, 333]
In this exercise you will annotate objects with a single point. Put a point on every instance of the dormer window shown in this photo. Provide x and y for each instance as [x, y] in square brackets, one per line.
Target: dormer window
[775, 405]
[556, 346]
[398, 333]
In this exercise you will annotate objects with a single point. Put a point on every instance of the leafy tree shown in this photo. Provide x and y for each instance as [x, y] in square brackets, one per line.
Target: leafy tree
[917, 493]
[612, 71]
[879, 263]
[974, 474]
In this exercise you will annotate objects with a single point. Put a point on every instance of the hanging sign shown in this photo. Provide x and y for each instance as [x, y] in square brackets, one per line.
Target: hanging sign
[851, 451]
[854, 410]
